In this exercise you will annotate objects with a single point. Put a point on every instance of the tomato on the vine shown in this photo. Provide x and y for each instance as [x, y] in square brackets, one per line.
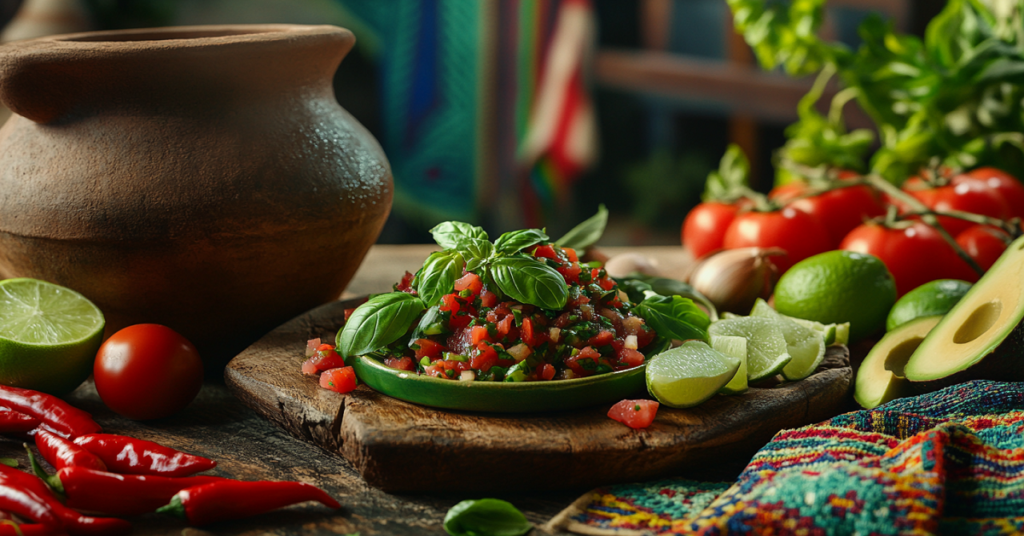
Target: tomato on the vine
[963, 193]
[1009, 188]
[800, 234]
[705, 225]
[147, 371]
[839, 210]
[914, 253]
[984, 244]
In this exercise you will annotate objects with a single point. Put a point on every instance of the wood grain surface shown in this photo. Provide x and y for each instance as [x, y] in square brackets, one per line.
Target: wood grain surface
[390, 442]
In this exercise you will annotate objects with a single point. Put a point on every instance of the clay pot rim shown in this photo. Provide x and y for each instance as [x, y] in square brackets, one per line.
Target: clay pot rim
[176, 37]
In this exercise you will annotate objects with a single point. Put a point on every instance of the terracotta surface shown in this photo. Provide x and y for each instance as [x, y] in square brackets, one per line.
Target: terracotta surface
[381, 436]
[199, 177]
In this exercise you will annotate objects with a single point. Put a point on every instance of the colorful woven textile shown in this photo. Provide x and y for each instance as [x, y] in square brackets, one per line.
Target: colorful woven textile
[951, 462]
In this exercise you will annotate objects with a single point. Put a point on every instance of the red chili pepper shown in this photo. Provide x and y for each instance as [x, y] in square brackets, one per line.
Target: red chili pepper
[6, 529]
[62, 453]
[67, 519]
[234, 499]
[122, 495]
[16, 422]
[62, 417]
[133, 456]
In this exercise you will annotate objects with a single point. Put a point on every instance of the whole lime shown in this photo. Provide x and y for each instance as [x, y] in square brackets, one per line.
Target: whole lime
[48, 336]
[932, 298]
[838, 286]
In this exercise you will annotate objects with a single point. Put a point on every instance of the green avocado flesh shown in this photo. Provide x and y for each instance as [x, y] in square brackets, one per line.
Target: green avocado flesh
[880, 377]
[981, 332]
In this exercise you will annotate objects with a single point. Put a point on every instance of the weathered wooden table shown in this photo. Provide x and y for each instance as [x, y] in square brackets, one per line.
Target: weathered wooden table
[248, 447]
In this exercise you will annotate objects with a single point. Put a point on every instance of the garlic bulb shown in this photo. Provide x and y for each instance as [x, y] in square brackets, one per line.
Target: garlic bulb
[734, 279]
[624, 264]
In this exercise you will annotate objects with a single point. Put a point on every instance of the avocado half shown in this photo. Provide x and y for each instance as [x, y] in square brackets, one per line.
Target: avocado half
[981, 337]
[880, 377]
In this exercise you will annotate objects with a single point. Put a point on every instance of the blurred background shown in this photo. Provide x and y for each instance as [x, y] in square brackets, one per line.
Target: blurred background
[516, 113]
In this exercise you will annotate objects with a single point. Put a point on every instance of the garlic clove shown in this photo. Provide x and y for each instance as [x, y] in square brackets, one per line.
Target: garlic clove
[627, 263]
[734, 279]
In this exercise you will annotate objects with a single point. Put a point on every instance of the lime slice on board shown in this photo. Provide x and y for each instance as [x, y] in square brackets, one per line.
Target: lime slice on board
[805, 344]
[733, 347]
[687, 375]
[766, 345]
[834, 333]
[49, 336]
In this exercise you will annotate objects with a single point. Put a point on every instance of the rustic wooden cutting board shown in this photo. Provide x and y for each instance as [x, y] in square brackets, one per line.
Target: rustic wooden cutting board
[398, 446]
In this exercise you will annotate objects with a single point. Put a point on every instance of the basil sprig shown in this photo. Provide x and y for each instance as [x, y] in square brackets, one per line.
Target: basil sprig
[438, 275]
[377, 323]
[587, 233]
[674, 317]
[486, 517]
[457, 235]
[512, 242]
[526, 280]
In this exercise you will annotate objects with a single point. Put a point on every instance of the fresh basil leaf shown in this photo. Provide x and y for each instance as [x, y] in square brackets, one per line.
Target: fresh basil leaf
[377, 323]
[486, 517]
[511, 242]
[634, 288]
[587, 233]
[474, 263]
[731, 179]
[674, 317]
[530, 281]
[431, 323]
[438, 276]
[457, 234]
[478, 249]
[636, 283]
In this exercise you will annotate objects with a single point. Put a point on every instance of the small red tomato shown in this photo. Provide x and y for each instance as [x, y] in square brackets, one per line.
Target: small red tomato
[984, 244]
[963, 193]
[1009, 188]
[800, 234]
[147, 371]
[839, 210]
[914, 254]
[705, 225]
[341, 380]
[634, 413]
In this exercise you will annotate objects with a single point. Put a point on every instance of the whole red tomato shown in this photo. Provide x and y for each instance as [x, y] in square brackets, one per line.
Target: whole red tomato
[963, 193]
[914, 254]
[839, 210]
[705, 225]
[984, 244]
[147, 371]
[798, 233]
[1011, 190]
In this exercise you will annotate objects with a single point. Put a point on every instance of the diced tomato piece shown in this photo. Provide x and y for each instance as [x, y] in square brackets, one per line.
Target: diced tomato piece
[479, 334]
[458, 322]
[400, 363]
[601, 339]
[546, 372]
[634, 413]
[340, 380]
[586, 354]
[571, 254]
[324, 358]
[311, 346]
[595, 273]
[571, 272]
[576, 301]
[488, 299]
[504, 326]
[471, 282]
[437, 369]
[546, 252]
[428, 348]
[405, 285]
[606, 283]
[531, 335]
[644, 336]
[450, 302]
[485, 358]
[630, 357]
[491, 316]
[308, 367]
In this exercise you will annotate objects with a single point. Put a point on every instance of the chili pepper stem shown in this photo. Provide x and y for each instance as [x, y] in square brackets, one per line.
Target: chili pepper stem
[174, 508]
[53, 481]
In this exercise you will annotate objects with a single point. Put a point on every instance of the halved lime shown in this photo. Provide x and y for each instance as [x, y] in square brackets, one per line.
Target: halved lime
[49, 336]
[833, 333]
[733, 347]
[805, 344]
[687, 375]
[766, 345]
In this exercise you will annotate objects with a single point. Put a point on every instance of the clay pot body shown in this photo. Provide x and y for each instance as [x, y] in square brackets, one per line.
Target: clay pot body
[204, 178]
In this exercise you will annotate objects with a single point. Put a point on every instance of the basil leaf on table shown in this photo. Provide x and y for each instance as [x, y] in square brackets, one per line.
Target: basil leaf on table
[587, 233]
[438, 275]
[457, 234]
[674, 317]
[513, 241]
[636, 283]
[528, 280]
[377, 323]
[485, 517]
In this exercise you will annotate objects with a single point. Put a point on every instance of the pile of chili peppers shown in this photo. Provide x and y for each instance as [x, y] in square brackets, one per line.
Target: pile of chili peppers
[117, 476]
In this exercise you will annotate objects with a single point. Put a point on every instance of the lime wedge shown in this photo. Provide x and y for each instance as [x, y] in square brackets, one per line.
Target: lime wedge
[834, 333]
[687, 375]
[805, 344]
[49, 336]
[733, 347]
[766, 345]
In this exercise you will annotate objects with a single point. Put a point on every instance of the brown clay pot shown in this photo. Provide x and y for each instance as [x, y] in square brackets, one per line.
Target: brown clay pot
[204, 178]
